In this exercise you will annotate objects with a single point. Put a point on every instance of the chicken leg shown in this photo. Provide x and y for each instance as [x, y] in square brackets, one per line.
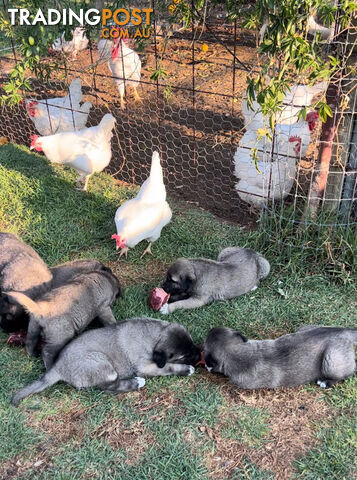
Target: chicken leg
[86, 183]
[79, 181]
[136, 95]
[124, 251]
[147, 250]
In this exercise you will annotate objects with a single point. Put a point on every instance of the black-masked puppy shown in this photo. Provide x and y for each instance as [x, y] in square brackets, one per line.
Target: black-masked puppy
[60, 314]
[23, 270]
[313, 354]
[118, 358]
[193, 283]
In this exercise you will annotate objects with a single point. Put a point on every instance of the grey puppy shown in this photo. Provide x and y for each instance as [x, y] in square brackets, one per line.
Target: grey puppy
[23, 270]
[67, 271]
[313, 354]
[115, 359]
[60, 314]
[193, 282]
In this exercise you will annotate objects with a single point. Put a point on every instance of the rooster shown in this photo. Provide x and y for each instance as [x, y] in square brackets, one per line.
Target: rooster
[87, 151]
[295, 99]
[61, 114]
[143, 217]
[79, 42]
[125, 66]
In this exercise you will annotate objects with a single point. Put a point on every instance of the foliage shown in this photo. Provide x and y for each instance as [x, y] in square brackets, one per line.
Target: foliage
[286, 53]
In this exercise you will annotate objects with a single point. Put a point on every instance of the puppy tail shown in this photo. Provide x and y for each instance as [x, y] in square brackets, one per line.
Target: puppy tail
[50, 378]
[264, 267]
[18, 298]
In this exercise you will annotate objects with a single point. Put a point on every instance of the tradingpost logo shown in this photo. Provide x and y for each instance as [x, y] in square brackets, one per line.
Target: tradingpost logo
[138, 18]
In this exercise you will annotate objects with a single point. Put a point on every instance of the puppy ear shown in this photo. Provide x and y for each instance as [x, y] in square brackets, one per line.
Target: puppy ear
[242, 337]
[190, 280]
[159, 357]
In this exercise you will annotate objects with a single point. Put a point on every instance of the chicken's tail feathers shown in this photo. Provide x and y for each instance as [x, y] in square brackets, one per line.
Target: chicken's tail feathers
[107, 123]
[156, 168]
[85, 108]
[50, 378]
[75, 91]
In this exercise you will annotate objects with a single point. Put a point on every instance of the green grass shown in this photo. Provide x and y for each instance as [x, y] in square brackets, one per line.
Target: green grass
[171, 429]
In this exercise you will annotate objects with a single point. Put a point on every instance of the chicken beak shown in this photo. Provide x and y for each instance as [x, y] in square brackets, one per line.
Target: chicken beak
[117, 247]
[32, 148]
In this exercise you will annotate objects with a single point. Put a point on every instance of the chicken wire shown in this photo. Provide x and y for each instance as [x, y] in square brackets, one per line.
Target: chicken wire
[193, 117]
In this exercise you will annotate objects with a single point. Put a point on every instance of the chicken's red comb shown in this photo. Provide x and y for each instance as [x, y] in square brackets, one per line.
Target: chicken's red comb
[312, 116]
[33, 138]
[119, 241]
[297, 148]
[51, 51]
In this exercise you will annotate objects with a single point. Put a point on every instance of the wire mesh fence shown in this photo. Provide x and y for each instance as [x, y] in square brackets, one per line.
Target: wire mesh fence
[192, 114]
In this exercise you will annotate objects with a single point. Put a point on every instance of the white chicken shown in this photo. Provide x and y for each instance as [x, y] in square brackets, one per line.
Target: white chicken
[61, 114]
[79, 42]
[143, 217]
[274, 179]
[283, 138]
[125, 66]
[312, 29]
[298, 97]
[88, 151]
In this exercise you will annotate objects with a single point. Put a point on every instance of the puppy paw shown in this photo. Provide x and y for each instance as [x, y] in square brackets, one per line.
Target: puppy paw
[188, 370]
[191, 369]
[141, 382]
[321, 383]
[164, 309]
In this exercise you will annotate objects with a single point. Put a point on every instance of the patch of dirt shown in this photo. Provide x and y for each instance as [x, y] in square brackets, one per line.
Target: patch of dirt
[129, 272]
[65, 425]
[295, 414]
[62, 427]
[17, 468]
[134, 440]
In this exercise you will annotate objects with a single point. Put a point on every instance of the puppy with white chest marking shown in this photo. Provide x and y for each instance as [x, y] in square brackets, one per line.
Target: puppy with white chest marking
[116, 359]
[59, 315]
[325, 355]
[193, 283]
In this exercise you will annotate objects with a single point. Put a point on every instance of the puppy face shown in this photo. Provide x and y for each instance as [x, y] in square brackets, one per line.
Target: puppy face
[12, 317]
[179, 281]
[217, 344]
[175, 346]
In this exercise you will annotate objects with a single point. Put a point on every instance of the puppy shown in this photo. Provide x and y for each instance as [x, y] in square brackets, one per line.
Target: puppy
[14, 317]
[193, 283]
[67, 271]
[116, 358]
[23, 270]
[66, 311]
[313, 354]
